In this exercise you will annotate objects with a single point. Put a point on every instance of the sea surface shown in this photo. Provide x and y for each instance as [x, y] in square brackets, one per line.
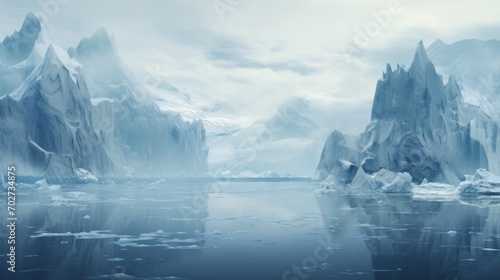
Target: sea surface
[246, 230]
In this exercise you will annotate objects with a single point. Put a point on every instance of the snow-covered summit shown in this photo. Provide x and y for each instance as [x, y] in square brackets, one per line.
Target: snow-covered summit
[22, 51]
[55, 63]
[421, 60]
[107, 75]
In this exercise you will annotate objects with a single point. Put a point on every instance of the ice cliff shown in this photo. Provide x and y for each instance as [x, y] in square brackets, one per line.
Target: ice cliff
[420, 127]
[63, 115]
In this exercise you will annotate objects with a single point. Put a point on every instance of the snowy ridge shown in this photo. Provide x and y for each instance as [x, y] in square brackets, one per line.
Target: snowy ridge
[421, 130]
[21, 52]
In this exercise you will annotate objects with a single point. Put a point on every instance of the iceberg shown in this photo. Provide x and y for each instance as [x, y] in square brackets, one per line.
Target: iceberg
[482, 182]
[384, 180]
[421, 130]
[78, 115]
[435, 191]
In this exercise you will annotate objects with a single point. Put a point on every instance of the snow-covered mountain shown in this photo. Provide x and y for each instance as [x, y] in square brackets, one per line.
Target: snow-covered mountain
[284, 144]
[476, 66]
[419, 127]
[21, 52]
[53, 125]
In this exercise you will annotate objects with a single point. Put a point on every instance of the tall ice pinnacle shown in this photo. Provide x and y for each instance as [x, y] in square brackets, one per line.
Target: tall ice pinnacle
[420, 55]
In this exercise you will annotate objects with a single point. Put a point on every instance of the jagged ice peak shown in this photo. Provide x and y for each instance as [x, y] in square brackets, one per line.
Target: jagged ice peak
[100, 42]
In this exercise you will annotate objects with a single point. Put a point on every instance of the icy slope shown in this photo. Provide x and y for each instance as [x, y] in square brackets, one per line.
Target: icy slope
[141, 139]
[419, 126]
[475, 64]
[106, 74]
[46, 128]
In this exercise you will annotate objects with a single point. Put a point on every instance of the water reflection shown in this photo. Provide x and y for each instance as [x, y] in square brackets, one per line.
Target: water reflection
[248, 230]
[105, 232]
[412, 239]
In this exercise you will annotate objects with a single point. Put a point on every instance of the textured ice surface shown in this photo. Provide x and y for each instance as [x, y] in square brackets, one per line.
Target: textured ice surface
[50, 128]
[482, 182]
[475, 63]
[420, 127]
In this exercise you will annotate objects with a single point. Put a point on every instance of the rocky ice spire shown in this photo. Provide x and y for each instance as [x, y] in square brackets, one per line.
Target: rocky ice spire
[422, 69]
[422, 127]
[420, 59]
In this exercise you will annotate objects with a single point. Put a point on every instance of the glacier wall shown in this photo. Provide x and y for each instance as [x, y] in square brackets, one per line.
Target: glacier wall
[144, 140]
[150, 142]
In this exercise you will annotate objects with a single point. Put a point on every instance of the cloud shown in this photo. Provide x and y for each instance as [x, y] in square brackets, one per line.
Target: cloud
[261, 52]
[237, 58]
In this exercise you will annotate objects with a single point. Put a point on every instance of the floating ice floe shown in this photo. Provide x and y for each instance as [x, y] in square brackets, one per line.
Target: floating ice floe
[481, 183]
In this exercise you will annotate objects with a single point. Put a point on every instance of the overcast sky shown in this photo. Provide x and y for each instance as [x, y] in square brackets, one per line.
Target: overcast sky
[258, 52]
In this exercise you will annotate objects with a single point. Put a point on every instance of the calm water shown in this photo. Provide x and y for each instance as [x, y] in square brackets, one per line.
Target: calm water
[254, 230]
